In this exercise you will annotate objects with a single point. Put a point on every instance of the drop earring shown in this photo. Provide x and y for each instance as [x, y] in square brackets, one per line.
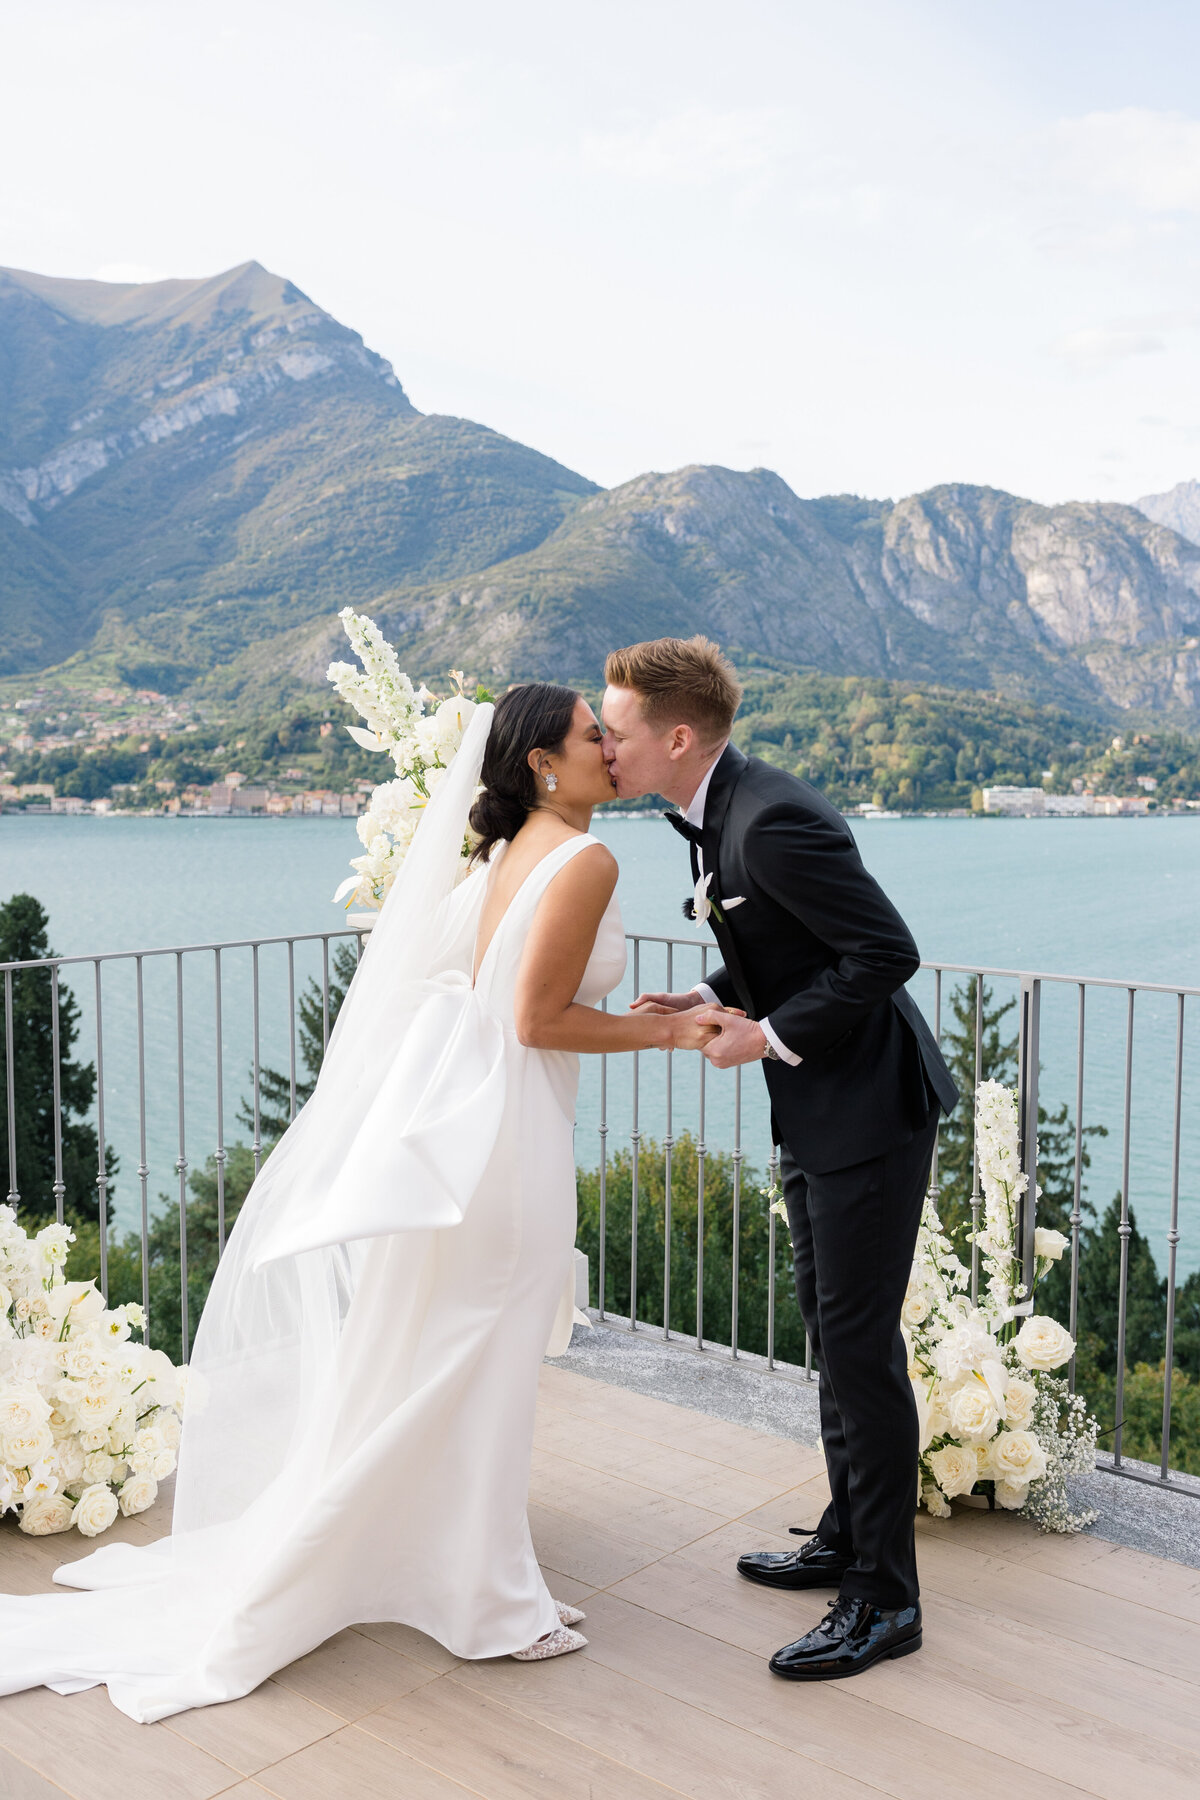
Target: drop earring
[551, 780]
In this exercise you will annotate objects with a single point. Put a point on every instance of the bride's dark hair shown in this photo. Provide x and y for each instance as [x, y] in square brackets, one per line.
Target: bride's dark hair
[534, 716]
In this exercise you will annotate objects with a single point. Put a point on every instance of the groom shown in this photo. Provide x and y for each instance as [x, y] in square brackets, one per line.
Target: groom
[816, 956]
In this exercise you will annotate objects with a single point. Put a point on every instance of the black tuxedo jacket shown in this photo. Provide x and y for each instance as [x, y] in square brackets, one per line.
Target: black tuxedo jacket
[817, 945]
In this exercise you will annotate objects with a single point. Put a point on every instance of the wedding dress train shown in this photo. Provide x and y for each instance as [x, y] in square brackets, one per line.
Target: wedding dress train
[359, 1428]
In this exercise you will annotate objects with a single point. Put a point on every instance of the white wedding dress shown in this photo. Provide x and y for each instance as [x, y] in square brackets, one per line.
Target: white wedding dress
[359, 1426]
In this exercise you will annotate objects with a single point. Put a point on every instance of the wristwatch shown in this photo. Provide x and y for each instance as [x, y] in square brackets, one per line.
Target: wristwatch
[770, 1053]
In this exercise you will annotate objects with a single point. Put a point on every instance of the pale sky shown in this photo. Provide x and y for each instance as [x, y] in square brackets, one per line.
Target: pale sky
[871, 246]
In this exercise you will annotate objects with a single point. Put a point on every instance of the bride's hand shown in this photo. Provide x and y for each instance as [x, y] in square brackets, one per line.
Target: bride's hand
[665, 1003]
[687, 1033]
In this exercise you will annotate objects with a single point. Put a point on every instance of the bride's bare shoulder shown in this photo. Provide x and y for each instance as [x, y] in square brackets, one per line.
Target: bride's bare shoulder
[592, 871]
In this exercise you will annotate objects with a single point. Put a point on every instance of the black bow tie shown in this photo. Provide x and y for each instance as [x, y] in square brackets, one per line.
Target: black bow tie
[685, 828]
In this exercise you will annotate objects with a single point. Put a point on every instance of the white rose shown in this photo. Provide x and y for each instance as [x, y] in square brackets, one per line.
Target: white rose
[169, 1429]
[1049, 1244]
[54, 1241]
[134, 1313]
[1018, 1457]
[148, 1441]
[45, 1328]
[139, 1492]
[97, 1408]
[955, 1468]
[95, 1510]
[1019, 1396]
[94, 1439]
[972, 1411]
[1012, 1495]
[935, 1501]
[915, 1310]
[42, 1517]
[99, 1467]
[23, 1307]
[21, 1449]
[1043, 1343]
[69, 1460]
[163, 1465]
[21, 1409]
[82, 1357]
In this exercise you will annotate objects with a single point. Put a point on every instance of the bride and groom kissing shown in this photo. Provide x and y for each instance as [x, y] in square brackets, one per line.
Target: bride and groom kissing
[366, 1366]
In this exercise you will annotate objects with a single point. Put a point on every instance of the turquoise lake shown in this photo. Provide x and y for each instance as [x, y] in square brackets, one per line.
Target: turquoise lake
[1116, 898]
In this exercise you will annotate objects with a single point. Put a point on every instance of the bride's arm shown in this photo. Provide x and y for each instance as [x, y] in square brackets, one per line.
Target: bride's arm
[552, 965]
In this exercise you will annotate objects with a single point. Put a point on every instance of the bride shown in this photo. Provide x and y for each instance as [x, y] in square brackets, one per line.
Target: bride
[361, 1405]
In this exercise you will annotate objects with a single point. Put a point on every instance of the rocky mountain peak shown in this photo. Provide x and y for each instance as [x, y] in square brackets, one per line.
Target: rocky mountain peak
[1179, 508]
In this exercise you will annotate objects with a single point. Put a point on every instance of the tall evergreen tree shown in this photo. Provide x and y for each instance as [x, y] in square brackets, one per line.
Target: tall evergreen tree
[24, 938]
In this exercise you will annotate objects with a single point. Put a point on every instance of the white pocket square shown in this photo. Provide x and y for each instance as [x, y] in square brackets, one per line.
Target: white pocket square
[738, 900]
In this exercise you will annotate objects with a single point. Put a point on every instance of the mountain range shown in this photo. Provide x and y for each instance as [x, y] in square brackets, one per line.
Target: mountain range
[196, 475]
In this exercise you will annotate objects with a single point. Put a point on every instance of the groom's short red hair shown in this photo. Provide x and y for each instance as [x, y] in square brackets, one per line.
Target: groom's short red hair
[679, 681]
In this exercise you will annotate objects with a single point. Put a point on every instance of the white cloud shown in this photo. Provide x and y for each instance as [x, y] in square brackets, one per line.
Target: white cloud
[1151, 159]
[127, 272]
[690, 146]
[1094, 347]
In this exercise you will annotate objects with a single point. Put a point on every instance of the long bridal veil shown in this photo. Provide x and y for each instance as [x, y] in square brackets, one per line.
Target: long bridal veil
[389, 1141]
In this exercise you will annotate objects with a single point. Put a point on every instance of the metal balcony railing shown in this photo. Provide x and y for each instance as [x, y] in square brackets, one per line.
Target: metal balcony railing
[182, 1038]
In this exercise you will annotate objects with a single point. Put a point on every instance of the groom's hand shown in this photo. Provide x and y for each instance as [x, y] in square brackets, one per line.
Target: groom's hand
[739, 1039]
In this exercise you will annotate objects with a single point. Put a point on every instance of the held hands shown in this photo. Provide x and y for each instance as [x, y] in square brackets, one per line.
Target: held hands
[737, 1039]
[698, 1024]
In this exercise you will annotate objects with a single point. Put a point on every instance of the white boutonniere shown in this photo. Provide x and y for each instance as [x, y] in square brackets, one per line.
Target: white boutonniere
[703, 904]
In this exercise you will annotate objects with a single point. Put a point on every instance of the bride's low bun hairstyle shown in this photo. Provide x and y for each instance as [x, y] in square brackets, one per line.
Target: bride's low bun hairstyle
[534, 716]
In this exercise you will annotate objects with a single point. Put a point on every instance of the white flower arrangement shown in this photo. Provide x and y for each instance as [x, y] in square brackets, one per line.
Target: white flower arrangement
[993, 1417]
[89, 1418]
[420, 733]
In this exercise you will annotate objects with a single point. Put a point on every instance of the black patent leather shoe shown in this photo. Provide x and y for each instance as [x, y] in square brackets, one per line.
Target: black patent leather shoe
[816, 1565]
[852, 1635]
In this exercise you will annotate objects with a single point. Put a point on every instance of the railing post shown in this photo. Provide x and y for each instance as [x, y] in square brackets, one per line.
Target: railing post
[635, 1136]
[976, 1196]
[1125, 1232]
[1172, 1249]
[14, 1196]
[101, 1146]
[1027, 1126]
[668, 1160]
[601, 1273]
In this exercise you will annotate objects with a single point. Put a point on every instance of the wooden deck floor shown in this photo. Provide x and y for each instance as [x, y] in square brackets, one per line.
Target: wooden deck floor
[1051, 1667]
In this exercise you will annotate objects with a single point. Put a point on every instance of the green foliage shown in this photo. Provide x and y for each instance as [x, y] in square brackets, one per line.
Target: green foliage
[906, 746]
[164, 1261]
[24, 938]
[753, 1245]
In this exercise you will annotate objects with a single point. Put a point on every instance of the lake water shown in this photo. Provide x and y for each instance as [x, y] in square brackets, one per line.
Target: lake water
[1106, 897]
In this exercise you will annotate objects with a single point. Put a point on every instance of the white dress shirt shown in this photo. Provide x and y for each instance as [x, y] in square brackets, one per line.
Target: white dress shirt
[694, 814]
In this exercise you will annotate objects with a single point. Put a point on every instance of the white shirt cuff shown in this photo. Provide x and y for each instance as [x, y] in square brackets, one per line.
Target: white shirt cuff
[706, 994]
[777, 1044]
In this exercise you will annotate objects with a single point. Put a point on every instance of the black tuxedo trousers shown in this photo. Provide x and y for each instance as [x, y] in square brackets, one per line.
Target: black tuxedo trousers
[854, 1232]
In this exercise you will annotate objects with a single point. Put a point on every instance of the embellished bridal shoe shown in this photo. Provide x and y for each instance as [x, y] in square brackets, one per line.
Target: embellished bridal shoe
[569, 1615]
[555, 1643]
